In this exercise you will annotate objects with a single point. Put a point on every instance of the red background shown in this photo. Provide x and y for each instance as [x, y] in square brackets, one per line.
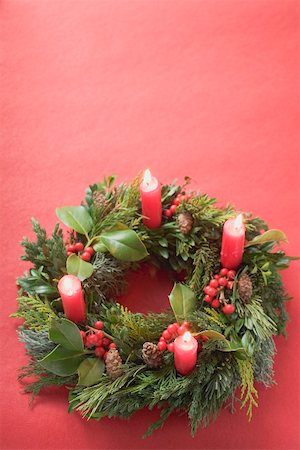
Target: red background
[201, 88]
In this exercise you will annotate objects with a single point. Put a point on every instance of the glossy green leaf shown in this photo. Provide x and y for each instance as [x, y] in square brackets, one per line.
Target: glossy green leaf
[61, 361]
[81, 269]
[90, 371]
[75, 217]
[268, 236]
[124, 244]
[99, 247]
[211, 334]
[183, 301]
[66, 333]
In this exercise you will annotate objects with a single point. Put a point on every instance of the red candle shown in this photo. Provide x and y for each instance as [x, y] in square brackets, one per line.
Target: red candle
[185, 353]
[71, 294]
[150, 191]
[233, 242]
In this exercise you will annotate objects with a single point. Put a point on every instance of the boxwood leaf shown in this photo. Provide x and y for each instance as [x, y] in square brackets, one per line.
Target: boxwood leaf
[268, 236]
[81, 269]
[75, 217]
[61, 361]
[90, 371]
[66, 333]
[183, 301]
[124, 244]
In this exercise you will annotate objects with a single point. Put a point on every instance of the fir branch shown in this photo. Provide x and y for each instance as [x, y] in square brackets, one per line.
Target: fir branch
[36, 312]
[206, 259]
[249, 394]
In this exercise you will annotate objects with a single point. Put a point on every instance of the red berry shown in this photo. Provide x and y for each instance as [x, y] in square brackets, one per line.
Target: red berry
[231, 274]
[223, 281]
[189, 196]
[176, 202]
[99, 351]
[162, 346]
[173, 209]
[211, 291]
[214, 283]
[215, 303]
[167, 213]
[89, 250]
[171, 347]
[206, 289]
[162, 339]
[172, 329]
[99, 334]
[207, 298]
[99, 325]
[176, 324]
[179, 197]
[71, 248]
[113, 346]
[228, 309]
[216, 277]
[166, 335]
[181, 330]
[86, 256]
[70, 253]
[106, 342]
[79, 246]
[230, 284]
[223, 272]
[91, 340]
[204, 338]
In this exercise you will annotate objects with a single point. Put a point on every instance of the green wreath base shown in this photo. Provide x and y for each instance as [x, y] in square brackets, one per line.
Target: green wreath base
[237, 349]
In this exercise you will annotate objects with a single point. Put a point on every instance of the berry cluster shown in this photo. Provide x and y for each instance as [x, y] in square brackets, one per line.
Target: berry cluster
[214, 291]
[169, 212]
[84, 253]
[172, 332]
[95, 338]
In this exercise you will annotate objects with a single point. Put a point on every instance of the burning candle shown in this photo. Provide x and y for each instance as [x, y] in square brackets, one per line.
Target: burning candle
[233, 242]
[185, 353]
[150, 191]
[70, 290]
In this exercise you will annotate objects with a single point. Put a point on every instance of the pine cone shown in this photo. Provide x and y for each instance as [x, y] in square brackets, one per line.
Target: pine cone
[152, 356]
[245, 288]
[113, 363]
[185, 222]
[99, 199]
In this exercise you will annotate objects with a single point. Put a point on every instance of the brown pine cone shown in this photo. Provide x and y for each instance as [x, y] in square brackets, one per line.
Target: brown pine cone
[245, 288]
[185, 222]
[99, 199]
[113, 364]
[152, 356]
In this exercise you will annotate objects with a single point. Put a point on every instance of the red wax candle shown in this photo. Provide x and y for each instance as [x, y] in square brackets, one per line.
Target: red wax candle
[150, 191]
[71, 294]
[233, 242]
[185, 353]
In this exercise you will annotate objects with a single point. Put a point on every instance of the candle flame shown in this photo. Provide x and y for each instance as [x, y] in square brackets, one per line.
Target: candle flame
[187, 336]
[147, 176]
[238, 221]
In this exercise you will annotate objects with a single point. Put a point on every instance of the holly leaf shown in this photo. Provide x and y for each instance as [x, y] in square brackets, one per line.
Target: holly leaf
[90, 371]
[81, 269]
[75, 217]
[183, 301]
[66, 333]
[61, 361]
[124, 244]
[211, 334]
[268, 236]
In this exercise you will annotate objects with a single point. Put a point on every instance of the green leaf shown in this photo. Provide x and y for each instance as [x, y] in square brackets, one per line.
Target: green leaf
[90, 371]
[268, 236]
[211, 334]
[124, 244]
[61, 361]
[183, 301]
[100, 248]
[81, 269]
[75, 217]
[66, 333]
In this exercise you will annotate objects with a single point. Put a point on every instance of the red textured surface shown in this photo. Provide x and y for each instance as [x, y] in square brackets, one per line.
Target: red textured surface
[204, 88]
